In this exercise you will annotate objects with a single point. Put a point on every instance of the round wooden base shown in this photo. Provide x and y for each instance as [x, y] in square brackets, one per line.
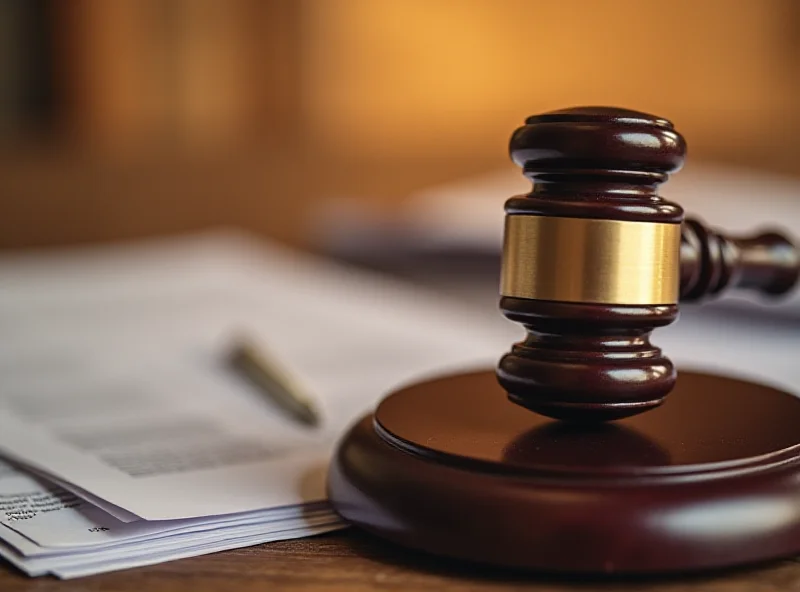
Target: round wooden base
[449, 466]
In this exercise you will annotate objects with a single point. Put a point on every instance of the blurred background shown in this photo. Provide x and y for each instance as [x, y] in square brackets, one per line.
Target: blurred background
[129, 118]
[374, 132]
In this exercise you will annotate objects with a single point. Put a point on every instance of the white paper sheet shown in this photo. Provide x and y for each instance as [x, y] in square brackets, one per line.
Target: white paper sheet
[55, 521]
[134, 445]
[114, 385]
[140, 560]
[115, 381]
[46, 529]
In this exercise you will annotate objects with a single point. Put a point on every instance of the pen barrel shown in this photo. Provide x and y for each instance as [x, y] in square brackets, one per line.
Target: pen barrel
[273, 383]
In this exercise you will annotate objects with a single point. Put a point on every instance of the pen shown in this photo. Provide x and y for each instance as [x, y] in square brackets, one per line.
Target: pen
[272, 381]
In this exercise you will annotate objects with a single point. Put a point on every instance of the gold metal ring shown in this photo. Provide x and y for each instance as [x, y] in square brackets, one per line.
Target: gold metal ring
[591, 261]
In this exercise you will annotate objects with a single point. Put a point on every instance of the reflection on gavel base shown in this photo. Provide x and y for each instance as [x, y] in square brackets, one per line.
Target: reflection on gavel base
[610, 462]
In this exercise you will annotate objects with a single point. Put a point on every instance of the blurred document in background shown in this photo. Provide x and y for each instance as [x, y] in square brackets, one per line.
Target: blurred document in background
[133, 440]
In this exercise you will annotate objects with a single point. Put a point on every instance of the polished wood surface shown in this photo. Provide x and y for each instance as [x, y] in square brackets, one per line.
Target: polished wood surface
[466, 417]
[712, 262]
[597, 162]
[586, 361]
[591, 359]
[352, 561]
[707, 480]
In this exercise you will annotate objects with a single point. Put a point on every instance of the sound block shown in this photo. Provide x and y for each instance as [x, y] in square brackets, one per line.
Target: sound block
[449, 466]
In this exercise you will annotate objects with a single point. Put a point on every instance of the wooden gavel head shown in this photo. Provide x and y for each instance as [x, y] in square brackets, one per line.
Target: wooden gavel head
[594, 260]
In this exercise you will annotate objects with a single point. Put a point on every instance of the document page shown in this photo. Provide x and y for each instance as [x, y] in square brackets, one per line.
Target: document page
[52, 518]
[47, 529]
[115, 380]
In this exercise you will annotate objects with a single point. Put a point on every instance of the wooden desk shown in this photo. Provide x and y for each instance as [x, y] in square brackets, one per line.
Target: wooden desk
[352, 562]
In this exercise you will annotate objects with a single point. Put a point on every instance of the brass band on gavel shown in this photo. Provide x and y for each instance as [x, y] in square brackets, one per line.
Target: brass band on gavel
[591, 260]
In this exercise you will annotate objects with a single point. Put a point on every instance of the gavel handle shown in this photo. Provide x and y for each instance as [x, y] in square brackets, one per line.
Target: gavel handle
[712, 263]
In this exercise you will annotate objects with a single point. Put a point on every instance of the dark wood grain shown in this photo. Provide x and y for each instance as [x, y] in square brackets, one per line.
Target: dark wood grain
[707, 480]
[597, 162]
[585, 361]
[355, 562]
[619, 373]
[602, 163]
[712, 262]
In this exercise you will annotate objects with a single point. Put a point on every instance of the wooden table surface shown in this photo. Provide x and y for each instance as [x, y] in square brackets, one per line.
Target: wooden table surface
[351, 561]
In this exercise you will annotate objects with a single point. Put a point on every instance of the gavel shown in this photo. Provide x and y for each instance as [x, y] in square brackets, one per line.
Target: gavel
[594, 260]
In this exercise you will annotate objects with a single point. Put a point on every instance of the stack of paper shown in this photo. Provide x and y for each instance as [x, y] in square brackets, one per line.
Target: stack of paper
[128, 439]
[50, 530]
